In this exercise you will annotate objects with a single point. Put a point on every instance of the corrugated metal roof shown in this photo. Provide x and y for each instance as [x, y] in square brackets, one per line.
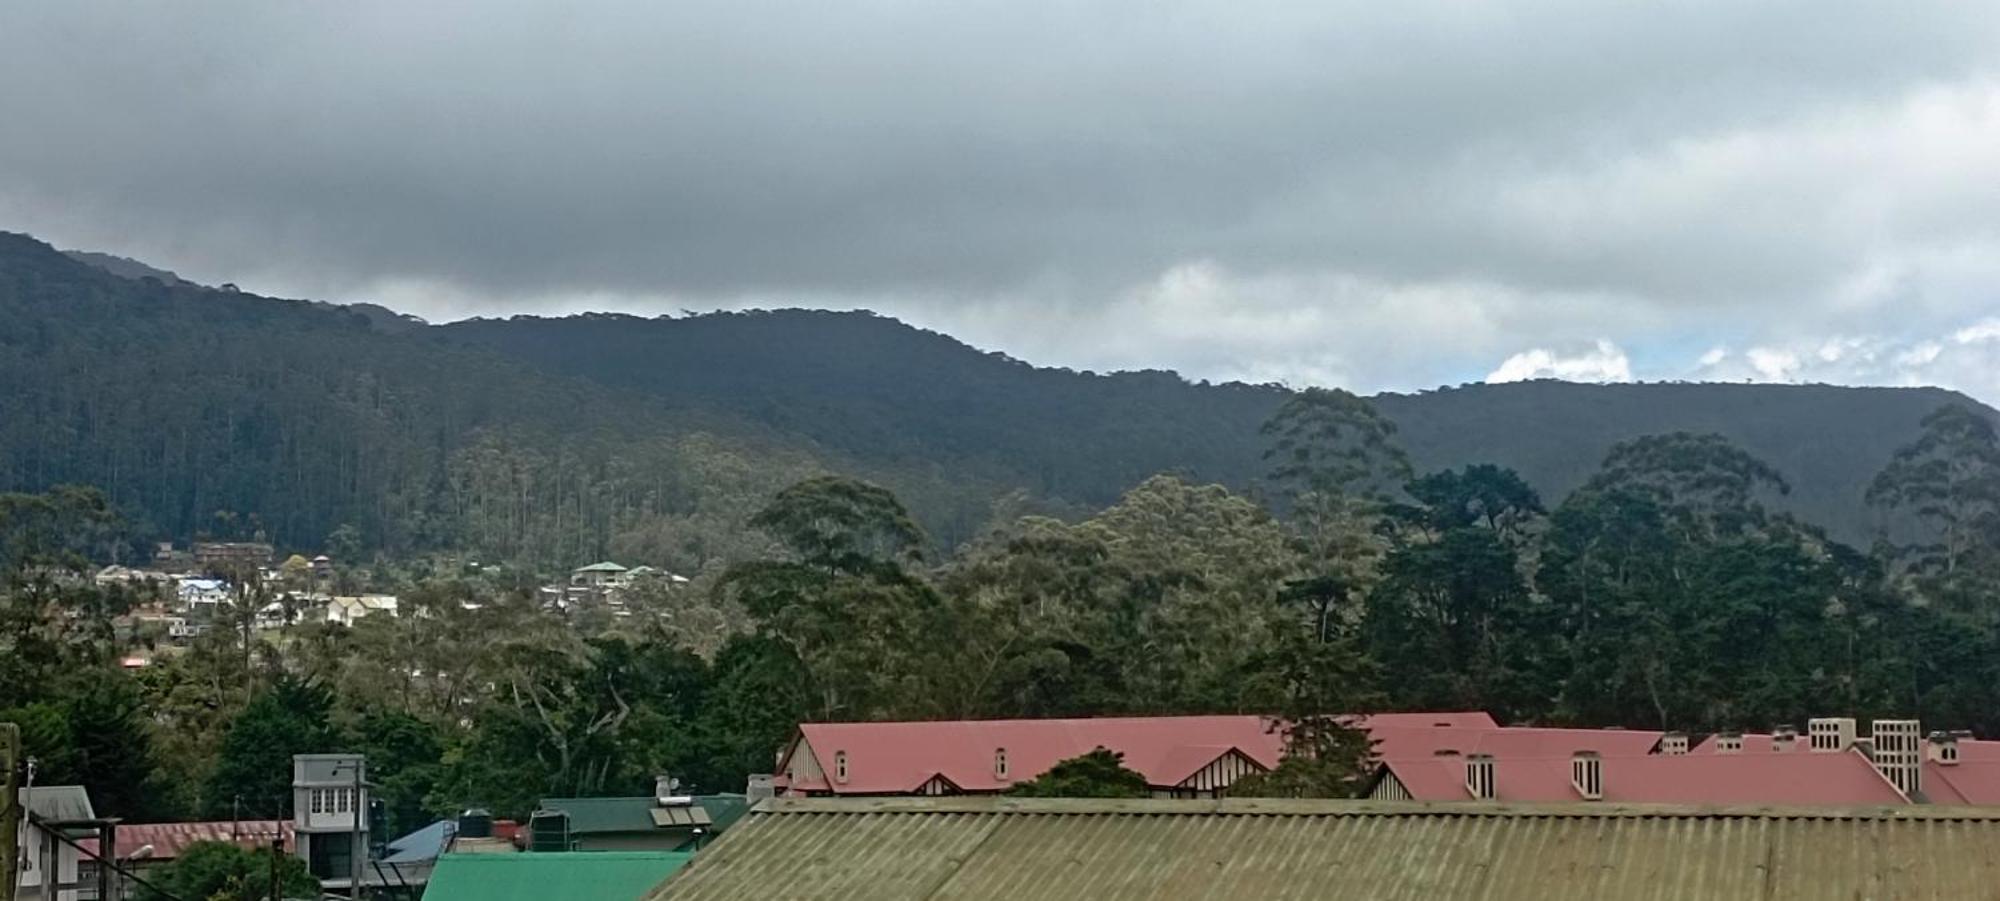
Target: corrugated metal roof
[169, 840]
[588, 816]
[1844, 778]
[898, 757]
[58, 802]
[1092, 850]
[551, 876]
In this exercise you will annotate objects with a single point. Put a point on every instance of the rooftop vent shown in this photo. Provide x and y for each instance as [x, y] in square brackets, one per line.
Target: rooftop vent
[1674, 744]
[1479, 776]
[1784, 738]
[1830, 733]
[760, 788]
[1944, 749]
[1586, 775]
[1728, 742]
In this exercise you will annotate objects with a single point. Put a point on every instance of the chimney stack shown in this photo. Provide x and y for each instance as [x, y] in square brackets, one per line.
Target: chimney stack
[1944, 749]
[1674, 744]
[1784, 738]
[1479, 776]
[1586, 775]
[667, 792]
[1730, 742]
[1898, 753]
[1830, 733]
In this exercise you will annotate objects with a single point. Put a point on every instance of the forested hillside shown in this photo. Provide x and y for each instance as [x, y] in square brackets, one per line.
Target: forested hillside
[203, 411]
[211, 412]
[880, 390]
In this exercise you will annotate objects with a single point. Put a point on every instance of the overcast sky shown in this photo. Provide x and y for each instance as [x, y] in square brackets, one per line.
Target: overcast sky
[1372, 195]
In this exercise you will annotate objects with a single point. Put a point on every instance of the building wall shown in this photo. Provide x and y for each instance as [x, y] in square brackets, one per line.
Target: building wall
[803, 764]
[663, 840]
[1389, 789]
[35, 864]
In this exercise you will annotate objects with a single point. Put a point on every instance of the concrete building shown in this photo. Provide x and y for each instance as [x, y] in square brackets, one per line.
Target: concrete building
[51, 869]
[330, 816]
[232, 556]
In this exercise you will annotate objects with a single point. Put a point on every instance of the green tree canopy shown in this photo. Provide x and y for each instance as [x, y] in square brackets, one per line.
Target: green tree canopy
[253, 768]
[1097, 774]
[220, 871]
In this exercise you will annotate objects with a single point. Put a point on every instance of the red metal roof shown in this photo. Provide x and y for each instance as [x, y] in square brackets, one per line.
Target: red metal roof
[1797, 778]
[168, 840]
[1517, 741]
[895, 758]
[1966, 782]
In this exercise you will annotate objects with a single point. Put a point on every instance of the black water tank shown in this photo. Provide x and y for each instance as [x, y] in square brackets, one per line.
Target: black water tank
[475, 823]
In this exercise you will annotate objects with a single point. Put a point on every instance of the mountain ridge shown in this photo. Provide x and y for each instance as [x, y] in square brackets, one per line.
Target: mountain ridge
[965, 433]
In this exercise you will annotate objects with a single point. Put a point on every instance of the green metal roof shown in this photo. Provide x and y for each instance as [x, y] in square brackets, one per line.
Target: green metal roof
[597, 815]
[1093, 850]
[59, 802]
[555, 876]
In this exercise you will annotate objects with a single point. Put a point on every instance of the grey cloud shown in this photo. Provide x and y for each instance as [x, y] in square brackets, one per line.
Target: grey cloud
[1001, 165]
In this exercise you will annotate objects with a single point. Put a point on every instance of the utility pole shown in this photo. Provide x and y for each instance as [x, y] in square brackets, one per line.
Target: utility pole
[277, 848]
[10, 809]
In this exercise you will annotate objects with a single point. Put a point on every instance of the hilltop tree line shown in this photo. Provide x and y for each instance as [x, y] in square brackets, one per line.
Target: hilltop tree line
[1664, 593]
[541, 443]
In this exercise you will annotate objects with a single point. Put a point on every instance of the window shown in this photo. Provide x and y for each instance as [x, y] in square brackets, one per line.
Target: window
[840, 766]
[318, 800]
[1000, 763]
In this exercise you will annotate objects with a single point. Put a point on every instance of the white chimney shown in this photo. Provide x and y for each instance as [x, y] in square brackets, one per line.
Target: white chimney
[1784, 738]
[1728, 742]
[1674, 744]
[1586, 775]
[1944, 749]
[1899, 753]
[1830, 733]
[1479, 776]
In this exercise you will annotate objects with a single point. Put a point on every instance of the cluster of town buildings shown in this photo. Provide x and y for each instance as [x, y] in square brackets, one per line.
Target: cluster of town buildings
[1458, 806]
[184, 590]
[605, 585]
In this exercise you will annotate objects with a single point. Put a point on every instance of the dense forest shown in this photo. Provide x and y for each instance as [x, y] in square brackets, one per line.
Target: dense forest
[551, 442]
[1662, 593]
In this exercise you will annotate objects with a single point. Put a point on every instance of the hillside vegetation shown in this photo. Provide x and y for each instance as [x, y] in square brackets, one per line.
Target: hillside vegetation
[552, 441]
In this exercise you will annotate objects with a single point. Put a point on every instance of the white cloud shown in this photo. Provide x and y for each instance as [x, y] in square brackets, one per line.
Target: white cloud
[1605, 362]
[1965, 359]
[1986, 330]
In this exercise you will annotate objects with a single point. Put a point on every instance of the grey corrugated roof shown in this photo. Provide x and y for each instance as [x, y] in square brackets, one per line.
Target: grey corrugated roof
[59, 802]
[993, 848]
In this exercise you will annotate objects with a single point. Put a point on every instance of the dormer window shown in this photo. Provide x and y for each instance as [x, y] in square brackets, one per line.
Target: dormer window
[840, 766]
[1000, 763]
